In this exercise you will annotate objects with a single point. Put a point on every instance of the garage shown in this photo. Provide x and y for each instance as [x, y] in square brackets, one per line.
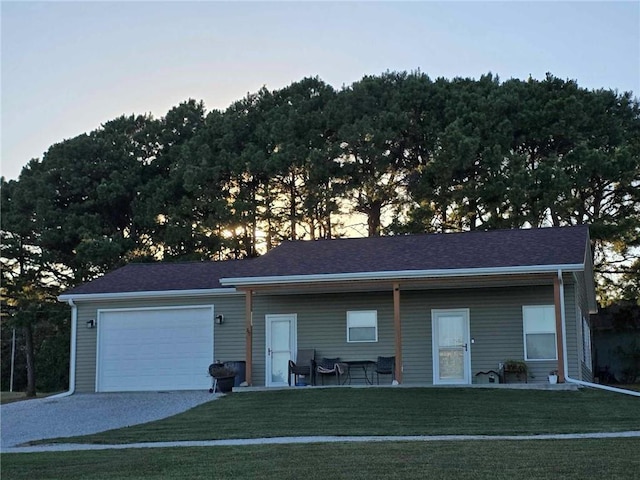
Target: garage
[154, 349]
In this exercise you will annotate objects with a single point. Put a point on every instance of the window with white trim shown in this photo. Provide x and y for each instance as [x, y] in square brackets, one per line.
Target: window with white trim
[362, 326]
[539, 332]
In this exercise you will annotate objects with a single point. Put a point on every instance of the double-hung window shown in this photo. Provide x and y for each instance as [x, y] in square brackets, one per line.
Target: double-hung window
[539, 332]
[362, 326]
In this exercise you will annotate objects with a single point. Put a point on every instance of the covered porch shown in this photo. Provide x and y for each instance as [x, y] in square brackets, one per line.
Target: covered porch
[409, 311]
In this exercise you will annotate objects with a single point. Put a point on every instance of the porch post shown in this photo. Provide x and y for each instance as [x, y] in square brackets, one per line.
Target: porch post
[398, 331]
[559, 340]
[249, 334]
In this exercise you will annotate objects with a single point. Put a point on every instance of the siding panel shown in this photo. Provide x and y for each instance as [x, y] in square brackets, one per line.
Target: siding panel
[322, 325]
[572, 329]
[228, 337]
[581, 309]
[496, 326]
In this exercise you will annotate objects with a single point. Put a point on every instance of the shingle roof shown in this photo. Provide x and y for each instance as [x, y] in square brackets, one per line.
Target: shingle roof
[464, 250]
[445, 251]
[157, 277]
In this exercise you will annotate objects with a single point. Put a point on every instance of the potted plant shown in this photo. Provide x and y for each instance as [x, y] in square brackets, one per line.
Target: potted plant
[516, 368]
[224, 376]
[553, 377]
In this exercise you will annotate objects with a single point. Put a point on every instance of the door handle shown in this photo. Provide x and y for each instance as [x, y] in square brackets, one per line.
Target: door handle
[269, 351]
[466, 347]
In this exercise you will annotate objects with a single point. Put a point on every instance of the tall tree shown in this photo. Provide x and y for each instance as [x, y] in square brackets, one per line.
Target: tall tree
[29, 278]
[178, 198]
[303, 171]
[245, 147]
[461, 186]
[376, 152]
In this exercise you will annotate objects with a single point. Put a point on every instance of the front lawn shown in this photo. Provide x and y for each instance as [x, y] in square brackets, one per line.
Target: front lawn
[543, 459]
[10, 397]
[388, 411]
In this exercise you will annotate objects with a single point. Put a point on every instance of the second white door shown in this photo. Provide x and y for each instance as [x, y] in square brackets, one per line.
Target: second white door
[451, 355]
[281, 335]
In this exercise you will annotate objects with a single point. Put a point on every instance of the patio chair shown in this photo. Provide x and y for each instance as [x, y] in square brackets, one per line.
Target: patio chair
[304, 365]
[331, 366]
[385, 366]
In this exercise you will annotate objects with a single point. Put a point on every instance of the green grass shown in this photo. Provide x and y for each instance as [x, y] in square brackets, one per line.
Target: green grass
[10, 397]
[542, 459]
[401, 411]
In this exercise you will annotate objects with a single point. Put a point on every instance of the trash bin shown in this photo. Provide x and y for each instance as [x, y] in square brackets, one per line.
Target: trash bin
[240, 368]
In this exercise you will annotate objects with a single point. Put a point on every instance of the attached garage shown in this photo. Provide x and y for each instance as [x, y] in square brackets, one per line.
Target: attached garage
[151, 349]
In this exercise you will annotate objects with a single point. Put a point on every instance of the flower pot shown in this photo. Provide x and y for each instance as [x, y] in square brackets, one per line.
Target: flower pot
[553, 379]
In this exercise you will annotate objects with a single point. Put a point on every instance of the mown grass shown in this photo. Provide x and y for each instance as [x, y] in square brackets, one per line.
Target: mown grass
[401, 411]
[541, 459]
[10, 397]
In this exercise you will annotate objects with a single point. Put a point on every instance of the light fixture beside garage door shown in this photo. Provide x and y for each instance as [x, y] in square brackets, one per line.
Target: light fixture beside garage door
[220, 319]
[91, 323]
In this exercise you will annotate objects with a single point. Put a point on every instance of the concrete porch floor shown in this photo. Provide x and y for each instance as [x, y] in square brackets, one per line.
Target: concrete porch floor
[506, 386]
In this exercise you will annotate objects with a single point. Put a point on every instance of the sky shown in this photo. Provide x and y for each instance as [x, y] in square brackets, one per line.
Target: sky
[68, 67]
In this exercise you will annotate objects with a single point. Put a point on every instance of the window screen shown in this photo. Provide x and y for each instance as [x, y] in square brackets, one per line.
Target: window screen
[362, 326]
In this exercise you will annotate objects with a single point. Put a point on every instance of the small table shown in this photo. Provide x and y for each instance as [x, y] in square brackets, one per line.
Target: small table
[363, 367]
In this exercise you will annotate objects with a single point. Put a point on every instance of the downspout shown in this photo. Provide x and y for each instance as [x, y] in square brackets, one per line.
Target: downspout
[72, 356]
[564, 348]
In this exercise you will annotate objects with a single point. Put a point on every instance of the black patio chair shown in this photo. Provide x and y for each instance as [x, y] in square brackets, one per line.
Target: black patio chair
[304, 365]
[331, 366]
[385, 366]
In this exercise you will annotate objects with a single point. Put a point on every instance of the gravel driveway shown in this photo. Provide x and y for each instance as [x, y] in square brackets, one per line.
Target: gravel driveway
[81, 414]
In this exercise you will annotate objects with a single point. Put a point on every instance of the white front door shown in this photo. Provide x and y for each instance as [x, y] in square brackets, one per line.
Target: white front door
[451, 354]
[281, 345]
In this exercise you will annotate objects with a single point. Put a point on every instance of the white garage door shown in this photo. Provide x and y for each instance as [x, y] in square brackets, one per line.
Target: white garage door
[154, 349]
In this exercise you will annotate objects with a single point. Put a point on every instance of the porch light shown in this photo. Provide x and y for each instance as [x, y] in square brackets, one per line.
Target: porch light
[91, 323]
[220, 319]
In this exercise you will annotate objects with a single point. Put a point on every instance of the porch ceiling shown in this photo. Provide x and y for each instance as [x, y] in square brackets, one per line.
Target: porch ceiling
[354, 286]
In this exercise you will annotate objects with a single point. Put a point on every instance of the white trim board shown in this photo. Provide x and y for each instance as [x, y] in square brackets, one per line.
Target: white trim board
[398, 275]
[94, 297]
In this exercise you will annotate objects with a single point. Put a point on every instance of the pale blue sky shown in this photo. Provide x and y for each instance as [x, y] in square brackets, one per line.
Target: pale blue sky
[68, 67]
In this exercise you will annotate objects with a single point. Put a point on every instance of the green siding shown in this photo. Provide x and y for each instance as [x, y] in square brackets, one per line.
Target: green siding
[582, 309]
[228, 338]
[321, 321]
[572, 329]
[496, 326]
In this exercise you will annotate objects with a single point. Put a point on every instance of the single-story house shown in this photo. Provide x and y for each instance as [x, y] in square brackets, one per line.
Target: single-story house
[446, 306]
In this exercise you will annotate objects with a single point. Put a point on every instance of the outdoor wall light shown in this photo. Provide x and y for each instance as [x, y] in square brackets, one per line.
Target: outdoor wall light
[220, 319]
[91, 323]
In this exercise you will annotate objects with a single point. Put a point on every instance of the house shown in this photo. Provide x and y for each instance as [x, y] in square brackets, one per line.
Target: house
[446, 306]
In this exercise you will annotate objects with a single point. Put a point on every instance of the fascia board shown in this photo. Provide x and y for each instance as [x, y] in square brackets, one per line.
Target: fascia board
[88, 297]
[399, 275]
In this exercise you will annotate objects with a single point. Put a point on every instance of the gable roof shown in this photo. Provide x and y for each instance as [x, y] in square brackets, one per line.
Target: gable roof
[402, 256]
[161, 277]
[489, 251]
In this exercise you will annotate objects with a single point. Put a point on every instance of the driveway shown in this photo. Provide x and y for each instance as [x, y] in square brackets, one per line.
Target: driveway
[82, 414]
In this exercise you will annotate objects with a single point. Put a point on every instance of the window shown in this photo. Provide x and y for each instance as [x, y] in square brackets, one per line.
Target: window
[539, 332]
[362, 326]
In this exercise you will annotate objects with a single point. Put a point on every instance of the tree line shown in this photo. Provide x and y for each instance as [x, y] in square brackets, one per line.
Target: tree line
[390, 154]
